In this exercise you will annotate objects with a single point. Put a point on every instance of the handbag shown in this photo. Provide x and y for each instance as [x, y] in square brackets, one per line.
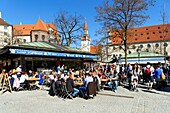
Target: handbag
[163, 77]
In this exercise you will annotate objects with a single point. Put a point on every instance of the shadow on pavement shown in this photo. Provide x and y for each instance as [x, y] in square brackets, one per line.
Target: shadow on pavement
[150, 91]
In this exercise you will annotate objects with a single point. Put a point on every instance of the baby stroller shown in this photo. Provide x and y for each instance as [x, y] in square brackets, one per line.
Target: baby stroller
[134, 83]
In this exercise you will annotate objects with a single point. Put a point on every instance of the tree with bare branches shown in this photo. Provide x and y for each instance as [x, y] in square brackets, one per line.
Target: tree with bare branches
[120, 15]
[69, 27]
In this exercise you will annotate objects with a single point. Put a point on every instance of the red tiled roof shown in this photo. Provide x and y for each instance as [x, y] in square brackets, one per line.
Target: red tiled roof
[25, 29]
[95, 49]
[145, 34]
[2, 22]
[40, 25]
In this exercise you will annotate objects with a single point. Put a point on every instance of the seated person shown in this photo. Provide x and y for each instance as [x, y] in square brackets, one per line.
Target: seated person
[97, 80]
[113, 84]
[83, 88]
[70, 85]
[40, 82]
[23, 80]
[30, 74]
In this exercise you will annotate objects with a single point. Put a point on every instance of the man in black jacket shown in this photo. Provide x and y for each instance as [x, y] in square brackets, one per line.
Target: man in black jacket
[70, 85]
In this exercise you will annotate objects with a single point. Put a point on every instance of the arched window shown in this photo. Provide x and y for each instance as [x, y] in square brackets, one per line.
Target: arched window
[141, 46]
[24, 40]
[43, 37]
[36, 38]
[156, 45]
[149, 45]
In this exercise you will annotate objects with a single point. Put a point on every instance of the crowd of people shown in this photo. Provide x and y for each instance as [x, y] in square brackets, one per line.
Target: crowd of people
[20, 79]
[77, 80]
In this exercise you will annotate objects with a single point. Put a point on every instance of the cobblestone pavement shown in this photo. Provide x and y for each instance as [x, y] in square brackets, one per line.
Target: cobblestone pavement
[124, 101]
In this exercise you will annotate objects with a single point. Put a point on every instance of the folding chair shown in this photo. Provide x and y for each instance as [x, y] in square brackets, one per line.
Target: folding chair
[66, 93]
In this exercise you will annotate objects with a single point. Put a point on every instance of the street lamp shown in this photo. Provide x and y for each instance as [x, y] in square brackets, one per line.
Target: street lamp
[138, 51]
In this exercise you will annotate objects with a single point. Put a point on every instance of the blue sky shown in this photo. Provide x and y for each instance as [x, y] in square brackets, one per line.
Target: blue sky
[28, 11]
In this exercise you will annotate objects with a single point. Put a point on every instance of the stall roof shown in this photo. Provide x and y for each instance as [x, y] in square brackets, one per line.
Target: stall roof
[47, 49]
[143, 55]
[49, 46]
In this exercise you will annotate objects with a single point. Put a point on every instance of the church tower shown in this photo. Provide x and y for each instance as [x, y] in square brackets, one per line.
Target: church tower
[85, 40]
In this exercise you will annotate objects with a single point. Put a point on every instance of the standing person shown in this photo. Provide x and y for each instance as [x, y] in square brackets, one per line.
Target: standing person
[19, 70]
[149, 75]
[157, 75]
[16, 82]
[136, 70]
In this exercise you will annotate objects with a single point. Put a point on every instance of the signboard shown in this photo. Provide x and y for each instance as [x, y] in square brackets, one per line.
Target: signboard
[44, 53]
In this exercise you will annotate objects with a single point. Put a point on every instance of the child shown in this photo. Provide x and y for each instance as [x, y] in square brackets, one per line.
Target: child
[134, 82]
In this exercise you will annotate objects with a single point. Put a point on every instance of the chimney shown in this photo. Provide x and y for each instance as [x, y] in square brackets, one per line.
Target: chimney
[0, 15]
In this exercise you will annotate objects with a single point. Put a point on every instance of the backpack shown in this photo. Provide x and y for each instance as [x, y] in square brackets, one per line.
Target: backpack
[148, 71]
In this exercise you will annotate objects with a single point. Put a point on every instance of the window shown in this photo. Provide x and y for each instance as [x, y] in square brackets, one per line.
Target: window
[149, 45]
[18, 40]
[136, 35]
[158, 27]
[160, 32]
[5, 27]
[148, 38]
[146, 28]
[147, 33]
[24, 40]
[156, 45]
[141, 46]
[36, 38]
[135, 30]
[141, 33]
[153, 32]
[43, 37]
[136, 39]
[161, 37]
[134, 47]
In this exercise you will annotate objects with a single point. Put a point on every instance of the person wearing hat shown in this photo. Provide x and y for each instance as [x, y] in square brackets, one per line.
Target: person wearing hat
[16, 83]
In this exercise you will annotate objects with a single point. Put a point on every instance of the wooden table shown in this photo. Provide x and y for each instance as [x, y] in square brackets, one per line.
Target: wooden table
[78, 83]
[33, 79]
[32, 82]
[104, 80]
